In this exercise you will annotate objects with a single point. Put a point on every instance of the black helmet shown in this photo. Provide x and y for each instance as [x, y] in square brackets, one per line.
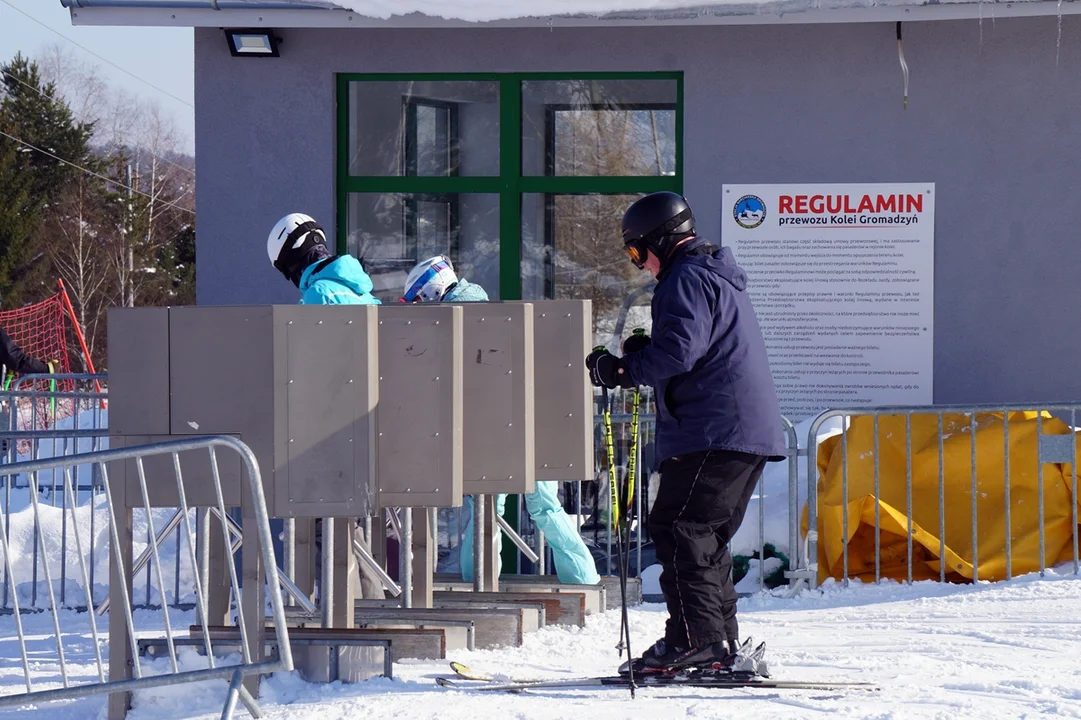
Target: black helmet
[656, 222]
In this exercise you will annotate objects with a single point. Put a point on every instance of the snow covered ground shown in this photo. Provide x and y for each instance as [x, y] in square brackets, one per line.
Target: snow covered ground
[1006, 650]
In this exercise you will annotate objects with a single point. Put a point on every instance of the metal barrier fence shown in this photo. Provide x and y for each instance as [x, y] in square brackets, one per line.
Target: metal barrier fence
[122, 630]
[36, 425]
[1051, 448]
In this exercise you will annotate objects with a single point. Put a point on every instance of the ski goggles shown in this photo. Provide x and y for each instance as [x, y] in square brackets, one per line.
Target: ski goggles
[636, 252]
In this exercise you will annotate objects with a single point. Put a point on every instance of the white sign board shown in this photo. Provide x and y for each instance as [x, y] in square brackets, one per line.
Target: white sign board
[842, 279]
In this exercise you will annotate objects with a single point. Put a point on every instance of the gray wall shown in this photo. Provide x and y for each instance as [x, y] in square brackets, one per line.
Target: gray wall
[996, 124]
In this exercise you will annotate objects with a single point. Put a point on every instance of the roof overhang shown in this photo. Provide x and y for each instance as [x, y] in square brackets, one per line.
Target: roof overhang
[325, 14]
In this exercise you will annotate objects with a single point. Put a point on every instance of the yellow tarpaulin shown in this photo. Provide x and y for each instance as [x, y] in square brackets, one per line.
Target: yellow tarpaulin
[957, 489]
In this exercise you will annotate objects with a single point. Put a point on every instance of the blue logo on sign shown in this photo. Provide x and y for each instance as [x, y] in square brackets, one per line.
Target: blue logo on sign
[750, 211]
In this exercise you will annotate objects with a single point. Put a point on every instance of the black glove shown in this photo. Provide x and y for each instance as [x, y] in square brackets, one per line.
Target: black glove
[637, 341]
[605, 369]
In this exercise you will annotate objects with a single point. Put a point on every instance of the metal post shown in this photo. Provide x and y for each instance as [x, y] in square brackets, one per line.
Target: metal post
[405, 557]
[478, 543]
[326, 582]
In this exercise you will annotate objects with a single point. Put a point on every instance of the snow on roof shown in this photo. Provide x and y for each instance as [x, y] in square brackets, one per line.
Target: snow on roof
[495, 10]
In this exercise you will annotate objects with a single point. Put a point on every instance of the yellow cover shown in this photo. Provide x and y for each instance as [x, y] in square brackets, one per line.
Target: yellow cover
[957, 473]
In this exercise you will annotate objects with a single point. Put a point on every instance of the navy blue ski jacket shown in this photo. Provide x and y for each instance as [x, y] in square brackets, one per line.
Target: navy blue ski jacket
[707, 360]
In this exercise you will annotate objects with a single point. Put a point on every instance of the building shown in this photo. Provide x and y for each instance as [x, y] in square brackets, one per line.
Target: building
[514, 144]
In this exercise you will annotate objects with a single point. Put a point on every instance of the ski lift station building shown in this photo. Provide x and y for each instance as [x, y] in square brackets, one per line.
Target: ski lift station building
[511, 135]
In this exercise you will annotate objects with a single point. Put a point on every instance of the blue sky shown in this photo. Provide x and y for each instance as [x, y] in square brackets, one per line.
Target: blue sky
[163, 57]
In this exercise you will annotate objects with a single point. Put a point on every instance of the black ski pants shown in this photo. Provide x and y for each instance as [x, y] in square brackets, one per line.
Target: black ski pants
[700, 505]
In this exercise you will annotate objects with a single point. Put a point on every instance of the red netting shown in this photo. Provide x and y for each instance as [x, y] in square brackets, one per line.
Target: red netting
[42, 331]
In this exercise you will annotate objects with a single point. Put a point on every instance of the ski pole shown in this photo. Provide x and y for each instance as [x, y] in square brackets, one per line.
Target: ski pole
[625, 629]
[629, 490]
[628, 495]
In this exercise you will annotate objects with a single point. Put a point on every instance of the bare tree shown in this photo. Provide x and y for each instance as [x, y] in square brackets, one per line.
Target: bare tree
[76, 234]
[81, 86]
[159, 204]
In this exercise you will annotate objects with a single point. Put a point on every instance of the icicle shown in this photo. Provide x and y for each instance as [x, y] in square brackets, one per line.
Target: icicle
[904, 65]
[1058, 46]
[981, 26]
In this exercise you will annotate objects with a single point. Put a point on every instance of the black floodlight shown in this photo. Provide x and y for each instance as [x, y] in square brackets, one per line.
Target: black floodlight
[252, 43]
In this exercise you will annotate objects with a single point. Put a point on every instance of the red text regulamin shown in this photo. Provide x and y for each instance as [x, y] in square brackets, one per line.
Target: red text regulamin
[849, 204]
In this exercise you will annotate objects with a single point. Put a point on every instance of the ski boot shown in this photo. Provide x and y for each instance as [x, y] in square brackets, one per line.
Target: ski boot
[667, 659]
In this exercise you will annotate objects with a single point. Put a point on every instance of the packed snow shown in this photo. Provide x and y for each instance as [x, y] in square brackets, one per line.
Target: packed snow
[1000, 650]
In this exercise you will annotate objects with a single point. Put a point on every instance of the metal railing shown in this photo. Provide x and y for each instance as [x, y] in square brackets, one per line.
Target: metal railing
[122, 631]
[39, 424]
[1051, 448]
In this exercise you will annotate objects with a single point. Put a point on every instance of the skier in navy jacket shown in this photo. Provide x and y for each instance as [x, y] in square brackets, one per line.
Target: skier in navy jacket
[718, 422]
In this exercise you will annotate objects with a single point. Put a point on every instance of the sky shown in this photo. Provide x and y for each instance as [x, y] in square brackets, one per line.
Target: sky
[162, 57]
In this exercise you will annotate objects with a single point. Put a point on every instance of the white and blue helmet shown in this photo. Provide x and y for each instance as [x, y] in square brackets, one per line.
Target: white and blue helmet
[430, 280]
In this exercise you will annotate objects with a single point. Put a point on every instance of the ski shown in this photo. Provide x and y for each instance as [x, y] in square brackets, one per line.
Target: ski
[464, 672]
[745, 658]
[726, 682]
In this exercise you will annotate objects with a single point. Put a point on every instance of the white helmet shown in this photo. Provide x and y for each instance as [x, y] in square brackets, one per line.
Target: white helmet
[292, 230]
[430, 280]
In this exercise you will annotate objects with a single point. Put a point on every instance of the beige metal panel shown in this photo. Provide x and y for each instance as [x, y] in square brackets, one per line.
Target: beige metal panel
[330, 390]
[498, 436]
[222, 363]
[221, 370]
[138, 370]
[420, 406]
[563, 411]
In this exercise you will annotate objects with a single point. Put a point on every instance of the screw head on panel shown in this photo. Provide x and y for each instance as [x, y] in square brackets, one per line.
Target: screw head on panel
[320, 322]
[350, 322]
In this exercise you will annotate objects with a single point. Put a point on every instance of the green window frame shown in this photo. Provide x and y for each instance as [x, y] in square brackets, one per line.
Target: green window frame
[510, 185]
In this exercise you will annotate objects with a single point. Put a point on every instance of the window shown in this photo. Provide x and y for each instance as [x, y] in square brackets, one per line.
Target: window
[521, 179]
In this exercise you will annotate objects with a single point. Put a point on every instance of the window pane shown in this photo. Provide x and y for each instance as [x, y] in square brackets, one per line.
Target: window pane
[572, 249]
[423, 128]
[392, 232]
[599, 127]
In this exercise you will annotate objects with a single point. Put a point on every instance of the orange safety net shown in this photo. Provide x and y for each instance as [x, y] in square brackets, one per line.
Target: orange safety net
[42, 331]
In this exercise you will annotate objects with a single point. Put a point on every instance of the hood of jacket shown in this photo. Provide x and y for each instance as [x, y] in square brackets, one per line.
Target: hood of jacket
[344, 269]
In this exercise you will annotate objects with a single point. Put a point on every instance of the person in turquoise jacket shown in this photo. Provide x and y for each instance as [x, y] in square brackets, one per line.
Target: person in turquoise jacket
[297, 247]
[434, 280]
